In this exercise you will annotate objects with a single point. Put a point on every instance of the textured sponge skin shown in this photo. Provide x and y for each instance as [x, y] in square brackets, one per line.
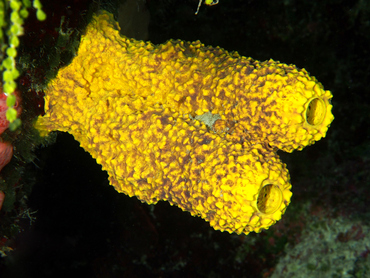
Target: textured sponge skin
[139, 109]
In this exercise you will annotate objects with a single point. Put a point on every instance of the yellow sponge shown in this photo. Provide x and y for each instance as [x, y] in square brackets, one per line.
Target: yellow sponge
[195, 125]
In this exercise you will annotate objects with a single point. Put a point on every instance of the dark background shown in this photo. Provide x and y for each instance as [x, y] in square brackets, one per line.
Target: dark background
[84, 227]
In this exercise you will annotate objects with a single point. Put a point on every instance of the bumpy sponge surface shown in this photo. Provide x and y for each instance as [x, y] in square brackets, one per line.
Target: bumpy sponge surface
[195, 125]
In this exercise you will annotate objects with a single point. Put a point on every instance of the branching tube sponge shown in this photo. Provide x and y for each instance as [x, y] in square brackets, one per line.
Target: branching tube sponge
[194, 125]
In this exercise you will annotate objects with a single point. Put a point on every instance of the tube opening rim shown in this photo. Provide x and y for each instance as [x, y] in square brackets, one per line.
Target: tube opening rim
[270, 197]
[315, 111]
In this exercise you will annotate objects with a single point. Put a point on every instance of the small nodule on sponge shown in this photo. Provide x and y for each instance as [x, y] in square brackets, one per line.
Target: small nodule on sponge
[269, 199]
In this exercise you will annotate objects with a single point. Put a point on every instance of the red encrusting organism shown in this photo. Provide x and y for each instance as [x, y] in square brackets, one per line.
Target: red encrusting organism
[6, 153]
[6, 149]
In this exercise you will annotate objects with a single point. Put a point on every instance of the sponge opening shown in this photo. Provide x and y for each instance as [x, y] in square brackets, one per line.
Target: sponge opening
[269, 198]
[315, 111]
